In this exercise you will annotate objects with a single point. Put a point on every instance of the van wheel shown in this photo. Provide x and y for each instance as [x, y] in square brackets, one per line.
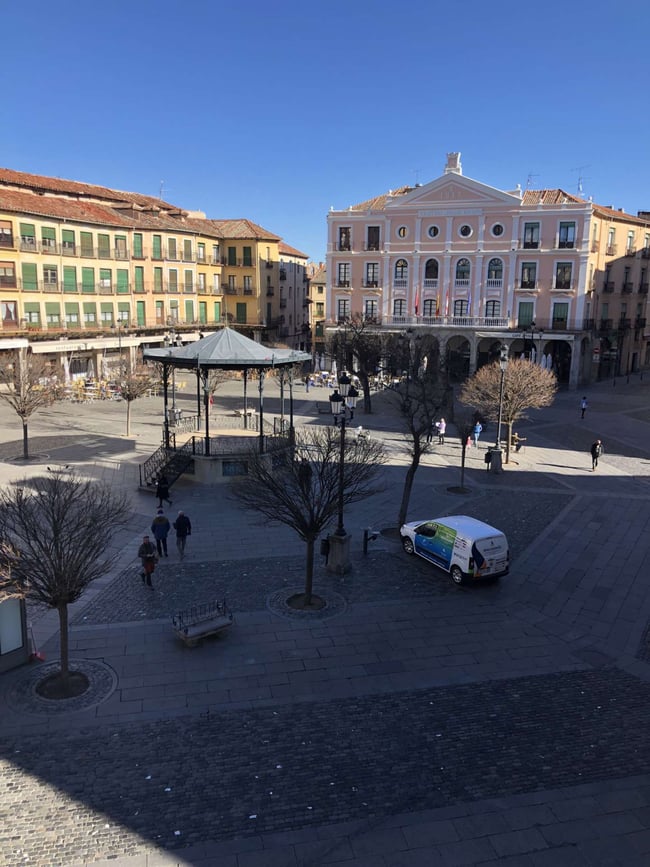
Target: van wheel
[456, 575]
[407, 544]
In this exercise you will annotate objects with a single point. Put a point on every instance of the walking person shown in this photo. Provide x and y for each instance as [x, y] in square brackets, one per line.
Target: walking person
[162, 490]
[596, 451]
[442, 428]
[434, 426]
[183, 529]
[478, 429]
[147, 555]
[160, 528]
[583, 407]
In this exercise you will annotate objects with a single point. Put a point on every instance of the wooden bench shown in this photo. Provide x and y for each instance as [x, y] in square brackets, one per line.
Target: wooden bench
[198, 622]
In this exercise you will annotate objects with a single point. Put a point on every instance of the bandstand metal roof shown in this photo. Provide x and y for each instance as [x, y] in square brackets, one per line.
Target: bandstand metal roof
[226, 349]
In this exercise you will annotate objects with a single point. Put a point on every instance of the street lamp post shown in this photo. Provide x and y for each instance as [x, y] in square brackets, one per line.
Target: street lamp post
[496, 464]
[343, 400]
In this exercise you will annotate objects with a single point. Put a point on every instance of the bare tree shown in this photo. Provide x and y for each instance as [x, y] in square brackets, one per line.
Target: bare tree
[526, 386]
[300, 487]
[134, 384]
[421, 396]
[26, 384]
[360, 345]
[56, 530]
[464, 426]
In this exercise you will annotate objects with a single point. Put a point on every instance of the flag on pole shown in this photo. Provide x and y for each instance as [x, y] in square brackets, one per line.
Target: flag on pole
[417, 300]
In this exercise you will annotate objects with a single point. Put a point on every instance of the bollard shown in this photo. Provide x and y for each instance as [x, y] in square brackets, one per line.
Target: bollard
[368, 536]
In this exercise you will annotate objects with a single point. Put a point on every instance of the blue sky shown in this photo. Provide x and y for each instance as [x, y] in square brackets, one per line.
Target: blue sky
[276, 111]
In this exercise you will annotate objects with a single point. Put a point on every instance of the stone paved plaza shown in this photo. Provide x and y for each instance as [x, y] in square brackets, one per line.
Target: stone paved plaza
[415, 723]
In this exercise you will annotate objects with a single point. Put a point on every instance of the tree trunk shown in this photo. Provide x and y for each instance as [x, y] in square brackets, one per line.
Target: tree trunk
[408, 487]
[463, 452]
[309, 569]
[63, 631]
[128, 418]
[25, 440]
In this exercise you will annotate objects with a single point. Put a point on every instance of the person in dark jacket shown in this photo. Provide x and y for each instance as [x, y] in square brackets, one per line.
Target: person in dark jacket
[147, 555]
[183, 529]
[596, 451]
[162, 490]
[160, 528]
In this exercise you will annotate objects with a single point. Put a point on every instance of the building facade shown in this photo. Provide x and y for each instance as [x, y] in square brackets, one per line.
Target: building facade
[294, 326]
[87, 263]
[542, 270]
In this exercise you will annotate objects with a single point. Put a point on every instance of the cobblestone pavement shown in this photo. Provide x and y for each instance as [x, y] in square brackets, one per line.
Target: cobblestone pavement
[389, 575]
[501, 723]
[243, 774]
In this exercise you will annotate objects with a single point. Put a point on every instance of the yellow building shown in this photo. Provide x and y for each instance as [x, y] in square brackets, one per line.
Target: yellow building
[79, 259]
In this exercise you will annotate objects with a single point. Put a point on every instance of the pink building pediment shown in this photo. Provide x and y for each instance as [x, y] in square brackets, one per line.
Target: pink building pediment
[454, 189]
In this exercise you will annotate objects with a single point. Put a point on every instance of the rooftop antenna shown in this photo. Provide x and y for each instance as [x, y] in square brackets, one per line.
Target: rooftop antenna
[416, 172]
[162, 190]
[581, 179]
[529, 180]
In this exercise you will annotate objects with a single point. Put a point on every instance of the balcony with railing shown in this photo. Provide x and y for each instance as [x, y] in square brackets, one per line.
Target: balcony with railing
[50, 246]
[645, 252]
[400, 283]
[188, 256]
[6, 241]
[283, 303]
[494, 283]
[624, 324]
[605, 326]
[430, 283]
[630, 250]
[526, 284]
[643, 288]
[595, 246]
[230, 289]
[8, 282]
[461, 283]
[345, 247]
[628, 287]
[609, 286]
[342, 284]
[249, 290]
[283, 274]
[531, 244]
[371, 284]
[28, 245]
[104, 287]
[270, 291]
[562, 286]
[611, 250]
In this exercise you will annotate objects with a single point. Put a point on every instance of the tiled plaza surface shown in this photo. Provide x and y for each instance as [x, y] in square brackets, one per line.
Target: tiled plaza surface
[421, 724]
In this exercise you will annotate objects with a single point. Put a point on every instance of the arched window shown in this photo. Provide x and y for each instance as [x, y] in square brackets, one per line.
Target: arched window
[460, 308]
[495, 269]
[430, 307]
[431, 269]
[401, 269]
[399, 307]
[462, 269]
[492, 309]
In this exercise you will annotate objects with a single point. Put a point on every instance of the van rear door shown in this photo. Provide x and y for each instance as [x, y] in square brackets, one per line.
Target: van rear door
[490, 555]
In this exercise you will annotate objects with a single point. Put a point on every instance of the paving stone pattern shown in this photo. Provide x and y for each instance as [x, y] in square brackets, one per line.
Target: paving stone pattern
[237, 774]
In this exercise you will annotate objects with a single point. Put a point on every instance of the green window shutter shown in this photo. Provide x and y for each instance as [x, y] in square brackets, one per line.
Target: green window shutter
[48, 234]
[124, 307]
[141, 313]
[187, 250]
[232, 255]
[217, 311]
[72, 307]
[87, 279]
[86, 242]
[156, 252]
[104, 246]
[171, 248]
[173, 280]
[137, 245]
[32, 307]
[71, 311]
[525, 313]
[105, 278]
[203, 312]
[248, 258]
[122, 281]
[67, 240]
[52, 308]
[69, 278]
[240, 313]
[189, 311]
[90, 307]
[27, 230]
[157, 279]
[30, 281]
[160, 310]
[138, 275]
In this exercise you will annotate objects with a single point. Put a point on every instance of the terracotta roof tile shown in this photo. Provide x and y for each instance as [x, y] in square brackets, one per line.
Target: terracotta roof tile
[58, 207]
[243, 229]
[613, 214]
[379, 202]
[549, 197]
[291, 251]
[42, 183]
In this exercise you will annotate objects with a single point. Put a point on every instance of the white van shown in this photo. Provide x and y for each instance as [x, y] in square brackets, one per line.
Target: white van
[462, 546]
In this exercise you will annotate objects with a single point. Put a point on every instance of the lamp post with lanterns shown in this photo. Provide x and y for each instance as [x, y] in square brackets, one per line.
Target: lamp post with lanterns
[342, 401]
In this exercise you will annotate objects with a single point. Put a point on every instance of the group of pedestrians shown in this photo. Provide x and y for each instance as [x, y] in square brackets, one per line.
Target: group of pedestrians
[149, 553]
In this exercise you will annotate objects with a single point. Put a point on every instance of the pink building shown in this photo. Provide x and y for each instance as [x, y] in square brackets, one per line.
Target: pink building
[480, 266]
